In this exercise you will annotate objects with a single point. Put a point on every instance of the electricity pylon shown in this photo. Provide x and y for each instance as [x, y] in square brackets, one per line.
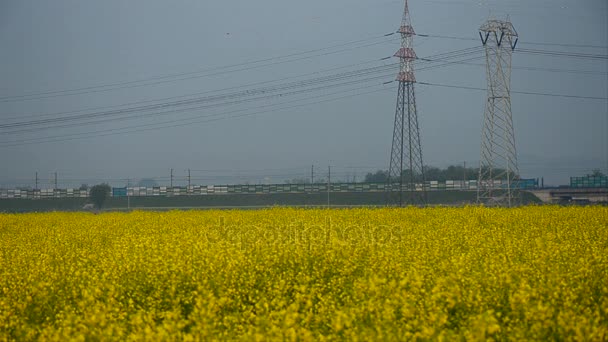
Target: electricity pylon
[406, 170]
[498, 182]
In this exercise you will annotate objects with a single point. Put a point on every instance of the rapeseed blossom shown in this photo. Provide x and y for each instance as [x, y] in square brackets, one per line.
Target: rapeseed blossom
[306, 274]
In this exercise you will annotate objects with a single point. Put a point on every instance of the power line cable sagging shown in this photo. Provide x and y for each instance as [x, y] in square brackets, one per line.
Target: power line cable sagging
[249, 91]
[174, 123]
[516, 92]
[590, 46]
[155, 80]
[268, 90]
[432, 62]
[160, 79]
[275, 91]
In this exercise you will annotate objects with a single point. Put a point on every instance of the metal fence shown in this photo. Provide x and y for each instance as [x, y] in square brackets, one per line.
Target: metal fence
[201, 190]
[589, 182]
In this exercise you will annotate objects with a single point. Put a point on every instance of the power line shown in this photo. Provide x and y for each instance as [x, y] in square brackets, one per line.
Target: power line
[445, 55]
[562, 54]
[187, 95]
[108, 132]
[248, 92]
[556, 70]
[284, 94]
[239, 95]
[269, 172]
[147, 115]
[423, 83]
[516, 92]
[454, 53]
[241, 173]
[96, 133]
[251, 170]
[208, 106]
[521, 43]
[422, 59]
[208, 72]
[573, 71]
[170, 77]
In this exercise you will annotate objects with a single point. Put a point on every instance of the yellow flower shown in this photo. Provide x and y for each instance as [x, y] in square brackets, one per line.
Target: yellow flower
[534, 273]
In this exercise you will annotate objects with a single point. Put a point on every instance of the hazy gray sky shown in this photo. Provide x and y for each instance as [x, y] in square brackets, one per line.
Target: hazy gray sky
[51, 46]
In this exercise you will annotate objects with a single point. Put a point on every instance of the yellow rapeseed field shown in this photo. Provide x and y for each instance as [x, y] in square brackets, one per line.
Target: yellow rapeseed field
[532, 273]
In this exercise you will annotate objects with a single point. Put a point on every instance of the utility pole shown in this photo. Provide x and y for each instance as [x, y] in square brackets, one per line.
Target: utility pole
[464, 174]
[55, 180]
[312, 174]
[171, 179]
[188, 179]
[36, 187]
[128, 197]
[328, 183]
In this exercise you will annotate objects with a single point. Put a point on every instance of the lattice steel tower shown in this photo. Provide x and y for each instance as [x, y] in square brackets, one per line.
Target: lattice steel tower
[498, 182]
[406, 170]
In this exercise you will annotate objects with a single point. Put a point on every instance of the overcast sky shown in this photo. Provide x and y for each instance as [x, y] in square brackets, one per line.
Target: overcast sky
[115, 53]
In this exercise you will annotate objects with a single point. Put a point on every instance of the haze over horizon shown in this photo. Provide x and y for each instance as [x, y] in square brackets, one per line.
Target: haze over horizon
[61, 57]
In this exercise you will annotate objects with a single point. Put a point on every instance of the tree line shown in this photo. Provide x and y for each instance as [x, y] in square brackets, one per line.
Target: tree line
[431, 173]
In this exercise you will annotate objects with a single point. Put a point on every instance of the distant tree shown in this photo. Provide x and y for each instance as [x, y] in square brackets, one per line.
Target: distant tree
[298, 181]
[379, 176]
[431, 173]
[503, 173]
[597, 173]
[147, 183]
[99, 193]
[434, 173]
[84, 187]
[457, 172]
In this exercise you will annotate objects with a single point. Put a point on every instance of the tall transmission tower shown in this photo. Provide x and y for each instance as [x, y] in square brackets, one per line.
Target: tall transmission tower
[406, 170]
[498, 171]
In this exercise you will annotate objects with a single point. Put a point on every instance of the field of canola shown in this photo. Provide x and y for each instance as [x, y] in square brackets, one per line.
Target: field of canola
[294, 274]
